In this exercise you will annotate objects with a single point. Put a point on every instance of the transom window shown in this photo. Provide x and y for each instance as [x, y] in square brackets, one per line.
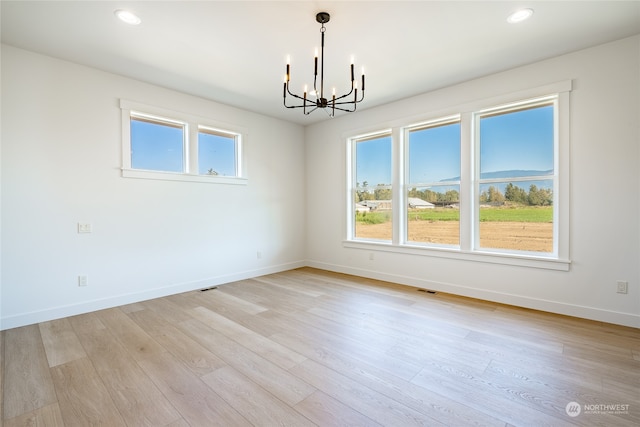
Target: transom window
[161, 144]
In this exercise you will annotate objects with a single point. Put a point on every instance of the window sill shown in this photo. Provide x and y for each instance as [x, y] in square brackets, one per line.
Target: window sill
[518, 260]
[173, 176]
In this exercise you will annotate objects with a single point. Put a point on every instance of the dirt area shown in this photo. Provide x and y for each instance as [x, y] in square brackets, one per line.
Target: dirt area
[528, 236]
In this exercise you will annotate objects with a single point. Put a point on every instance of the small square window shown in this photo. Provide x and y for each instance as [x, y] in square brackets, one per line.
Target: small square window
[156, 144]
[217, 153]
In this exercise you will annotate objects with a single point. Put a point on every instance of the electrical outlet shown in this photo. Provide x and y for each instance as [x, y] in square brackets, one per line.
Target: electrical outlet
[623, 287]
[259, 255]
[84, 227]
[83, 280]
[371, 256]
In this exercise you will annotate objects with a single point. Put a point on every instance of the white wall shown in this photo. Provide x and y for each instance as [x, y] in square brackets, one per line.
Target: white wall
[604, 180]
[61, 154]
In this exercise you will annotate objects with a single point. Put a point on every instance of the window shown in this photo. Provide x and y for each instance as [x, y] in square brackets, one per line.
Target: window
[372, 190]
[217, 152]
[488, 183]
[161, 144]
[433, 184]
[515, 197]
[157, 144]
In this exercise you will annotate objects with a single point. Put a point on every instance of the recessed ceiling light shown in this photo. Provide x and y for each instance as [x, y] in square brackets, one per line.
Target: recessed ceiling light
[127, 17]
[520, 15]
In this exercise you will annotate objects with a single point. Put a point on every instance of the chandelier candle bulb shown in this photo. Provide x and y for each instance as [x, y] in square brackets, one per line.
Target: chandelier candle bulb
[315, 61]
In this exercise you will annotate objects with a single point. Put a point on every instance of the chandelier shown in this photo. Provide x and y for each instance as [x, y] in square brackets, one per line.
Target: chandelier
[311, 101]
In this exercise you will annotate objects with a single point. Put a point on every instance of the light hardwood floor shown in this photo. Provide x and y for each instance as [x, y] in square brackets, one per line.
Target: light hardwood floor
[308, 347]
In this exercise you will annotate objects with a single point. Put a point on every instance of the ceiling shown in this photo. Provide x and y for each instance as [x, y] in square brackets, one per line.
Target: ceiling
[234, 52]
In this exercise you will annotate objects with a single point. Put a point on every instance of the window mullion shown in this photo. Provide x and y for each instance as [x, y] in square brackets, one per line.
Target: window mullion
[467, 169]
[399, 211]
[191, 149]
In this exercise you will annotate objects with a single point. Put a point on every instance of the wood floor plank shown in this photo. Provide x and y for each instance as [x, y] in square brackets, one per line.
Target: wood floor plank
[134, 394]
[83, 397]
[365, 347]
[60, 341]
[279, 297]
[270, 350]
[324, 410]
[277, 380]
[47, 416]
[361, 398]
[509, 404]
[255, 403]
[129, 334]
[27, 380]
[555, 391]
[284, 280]
[170, 311]
[197, 358]
[430, 403]
[195, 401]
[223, 302]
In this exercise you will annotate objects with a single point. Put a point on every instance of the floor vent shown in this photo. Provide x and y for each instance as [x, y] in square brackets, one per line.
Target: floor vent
[427, 291]
[208, 289]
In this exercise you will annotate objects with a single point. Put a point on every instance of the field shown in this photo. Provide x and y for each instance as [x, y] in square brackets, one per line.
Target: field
[523, 228]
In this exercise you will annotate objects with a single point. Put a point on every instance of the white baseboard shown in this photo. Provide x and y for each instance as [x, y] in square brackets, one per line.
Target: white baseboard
[625, 319]
[591, 313]
[118, 300]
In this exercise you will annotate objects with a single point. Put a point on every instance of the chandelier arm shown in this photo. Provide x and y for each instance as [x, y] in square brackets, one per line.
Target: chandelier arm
[350, 102]
[344, 96]
[345, 109]
[293, 94]
[310, 111]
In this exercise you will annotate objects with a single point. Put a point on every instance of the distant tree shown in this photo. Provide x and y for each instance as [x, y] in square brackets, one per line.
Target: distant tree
[540, 197]
[451, 196]
[492, 195]
[515, 194]
[381, 193]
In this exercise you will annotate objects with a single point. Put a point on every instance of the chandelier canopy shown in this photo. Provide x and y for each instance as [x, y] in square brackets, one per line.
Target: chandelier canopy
[311, 101]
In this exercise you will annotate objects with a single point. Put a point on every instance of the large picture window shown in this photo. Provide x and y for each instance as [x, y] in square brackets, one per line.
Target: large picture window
[488, 183]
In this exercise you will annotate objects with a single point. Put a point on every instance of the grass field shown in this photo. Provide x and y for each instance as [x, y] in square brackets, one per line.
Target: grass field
[526, 228]
[497, 214]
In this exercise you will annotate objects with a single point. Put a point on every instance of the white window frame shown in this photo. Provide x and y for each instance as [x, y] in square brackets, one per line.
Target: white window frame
[192, 125]
[443, 121]
[351, 159]
[557, 260]
[478, 181]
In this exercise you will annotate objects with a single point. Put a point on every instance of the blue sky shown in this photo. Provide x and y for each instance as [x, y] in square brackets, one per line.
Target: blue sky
[156, 147]
[159, 147]
[521, 140]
